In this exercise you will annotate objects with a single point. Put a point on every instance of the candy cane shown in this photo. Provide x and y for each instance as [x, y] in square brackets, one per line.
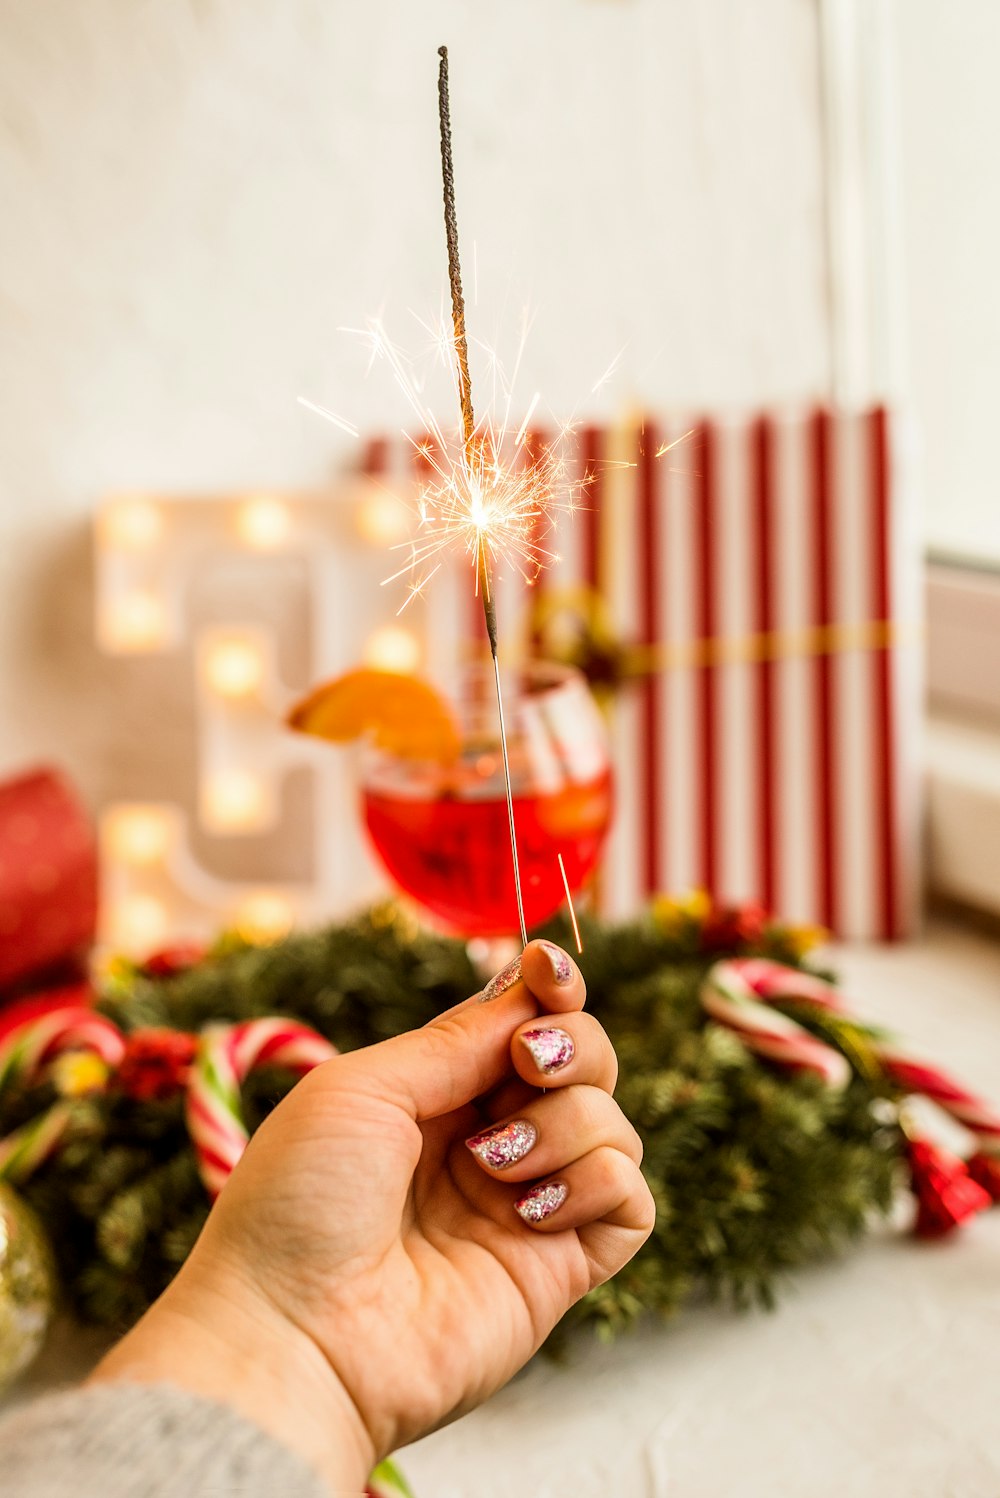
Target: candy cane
[753, 983]
[226, 1056]
[29, 1047]
[25, 1053]
[731, 999]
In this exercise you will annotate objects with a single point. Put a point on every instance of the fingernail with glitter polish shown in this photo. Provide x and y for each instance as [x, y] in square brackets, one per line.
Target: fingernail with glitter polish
[505, 1144]
[551, 1050]
[541, 1201]
[562, 967]
[504, 979]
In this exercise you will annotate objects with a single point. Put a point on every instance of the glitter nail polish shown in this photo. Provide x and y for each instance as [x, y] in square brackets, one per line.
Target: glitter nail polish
[504, 1144]
[504, 979]
[541, 1201]
[562, 967]
[551, 1049]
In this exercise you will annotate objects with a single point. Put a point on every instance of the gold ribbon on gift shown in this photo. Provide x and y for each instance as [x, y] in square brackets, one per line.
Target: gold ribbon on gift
[574, 627]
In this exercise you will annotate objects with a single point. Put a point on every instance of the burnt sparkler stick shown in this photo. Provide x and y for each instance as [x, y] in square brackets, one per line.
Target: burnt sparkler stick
[473, 458]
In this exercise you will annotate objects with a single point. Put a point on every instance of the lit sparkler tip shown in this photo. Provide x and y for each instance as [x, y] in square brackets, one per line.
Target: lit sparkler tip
[484, 496]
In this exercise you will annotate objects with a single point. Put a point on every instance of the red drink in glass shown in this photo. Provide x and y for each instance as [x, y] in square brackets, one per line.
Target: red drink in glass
[451, 852]
[441, 831]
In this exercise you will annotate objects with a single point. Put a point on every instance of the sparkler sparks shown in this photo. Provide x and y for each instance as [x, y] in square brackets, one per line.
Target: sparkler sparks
[338, 421]
[668, 447]
[491, 493]
[497, 496]
[493, 500]
[569, 905]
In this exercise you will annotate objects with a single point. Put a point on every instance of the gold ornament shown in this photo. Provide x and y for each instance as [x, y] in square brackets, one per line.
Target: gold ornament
[27, 1285]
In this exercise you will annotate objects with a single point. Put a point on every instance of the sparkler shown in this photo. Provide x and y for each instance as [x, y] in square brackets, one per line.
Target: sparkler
[487, 493]
[483, 504]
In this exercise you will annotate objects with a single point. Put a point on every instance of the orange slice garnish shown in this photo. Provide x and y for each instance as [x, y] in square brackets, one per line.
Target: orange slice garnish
[402, 714]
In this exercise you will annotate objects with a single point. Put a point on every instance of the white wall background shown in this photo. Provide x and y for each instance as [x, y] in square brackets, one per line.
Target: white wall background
[949, 109]
[197, 194]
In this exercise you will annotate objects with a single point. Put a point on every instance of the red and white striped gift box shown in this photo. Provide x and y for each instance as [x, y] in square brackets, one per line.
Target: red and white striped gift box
[766, 750]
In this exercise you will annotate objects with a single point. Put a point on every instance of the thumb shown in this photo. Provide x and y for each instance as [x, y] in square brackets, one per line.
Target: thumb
[445, 1065]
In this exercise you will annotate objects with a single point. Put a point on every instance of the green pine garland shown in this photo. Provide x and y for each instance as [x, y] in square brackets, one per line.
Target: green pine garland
[754, 1172]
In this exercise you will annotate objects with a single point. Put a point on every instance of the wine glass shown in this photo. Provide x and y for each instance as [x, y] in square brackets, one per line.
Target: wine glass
[441, 831]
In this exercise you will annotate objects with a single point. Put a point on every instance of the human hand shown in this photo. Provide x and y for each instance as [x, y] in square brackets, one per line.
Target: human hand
[366, 1275]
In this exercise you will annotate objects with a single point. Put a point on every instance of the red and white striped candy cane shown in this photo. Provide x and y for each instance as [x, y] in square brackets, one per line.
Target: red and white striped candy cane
[28, 1048]
[26, 1051]
[753, 983]
[771, 981]
[730, 997]
[226, 1055]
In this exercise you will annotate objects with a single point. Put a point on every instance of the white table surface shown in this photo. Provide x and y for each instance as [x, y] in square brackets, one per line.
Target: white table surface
[878, 1376]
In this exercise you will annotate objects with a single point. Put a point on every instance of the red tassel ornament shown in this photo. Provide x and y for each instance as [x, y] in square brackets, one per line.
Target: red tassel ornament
[946, 1193]
[985, 1171]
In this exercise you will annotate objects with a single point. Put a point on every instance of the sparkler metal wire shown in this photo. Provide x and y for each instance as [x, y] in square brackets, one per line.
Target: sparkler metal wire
[476, 490]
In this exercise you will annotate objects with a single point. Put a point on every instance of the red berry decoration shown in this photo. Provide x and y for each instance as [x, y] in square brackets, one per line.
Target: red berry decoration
[169, 961]
[156, 1064]
[732, 926]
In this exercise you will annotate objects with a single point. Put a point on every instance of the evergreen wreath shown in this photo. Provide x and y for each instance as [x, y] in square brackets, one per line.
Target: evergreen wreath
[755, 1171]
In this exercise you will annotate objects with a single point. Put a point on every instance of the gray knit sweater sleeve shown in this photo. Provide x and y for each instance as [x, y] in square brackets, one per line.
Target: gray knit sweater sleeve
[143, 1441]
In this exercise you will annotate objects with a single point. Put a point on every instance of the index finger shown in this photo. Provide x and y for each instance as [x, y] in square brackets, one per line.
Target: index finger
[549, 974]
[543, 979]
